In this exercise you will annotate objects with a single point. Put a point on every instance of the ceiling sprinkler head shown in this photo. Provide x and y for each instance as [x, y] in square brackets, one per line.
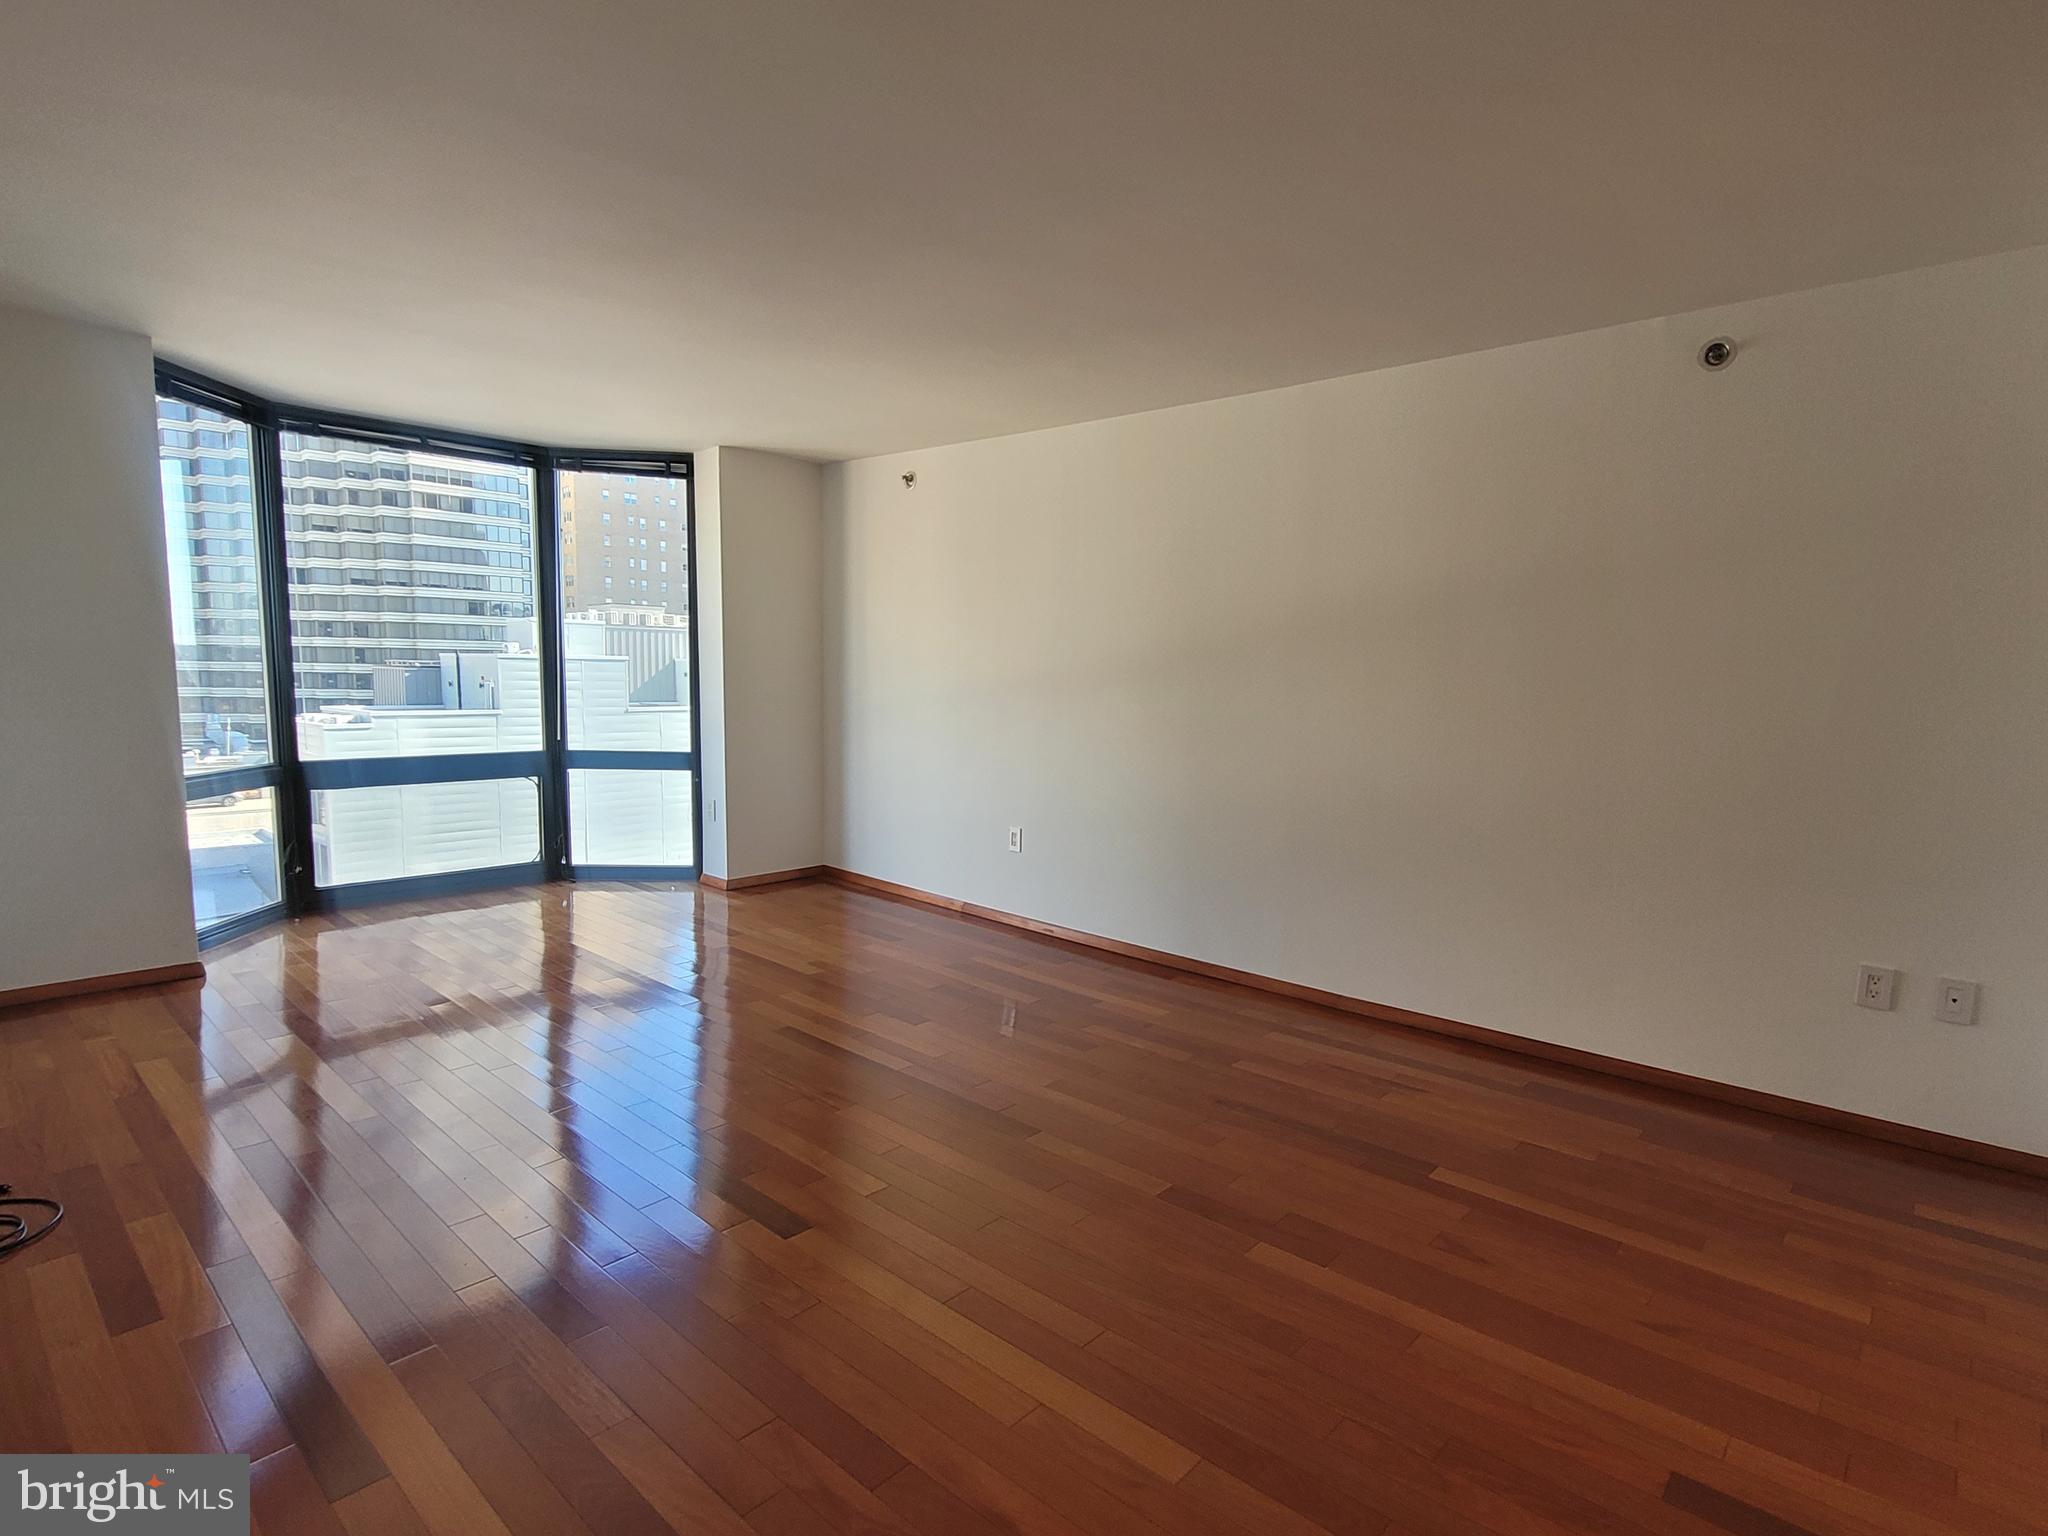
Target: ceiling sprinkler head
[909, 479]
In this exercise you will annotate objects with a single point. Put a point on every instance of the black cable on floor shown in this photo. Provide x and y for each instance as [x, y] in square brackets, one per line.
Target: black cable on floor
[15, 1231]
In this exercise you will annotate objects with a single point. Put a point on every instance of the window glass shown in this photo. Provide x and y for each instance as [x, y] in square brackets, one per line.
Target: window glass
[394, 831]
[412, 600]
[233, 844]
[627, 658]
[631, 816]
[209, 507]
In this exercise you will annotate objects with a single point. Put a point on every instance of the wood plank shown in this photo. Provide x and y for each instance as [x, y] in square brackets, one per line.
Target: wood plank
[445, 1496]
[31, 1418]
[723, 1463]
[174, 1416]
[93, 1390]
[245, 1419]
[285, 1496]
[669, 1485]
[119, 1283]
[183, 1294]
[337, 1452]
[382, 1509]
[548, 1361]
[597, 1490]
[528, 1503]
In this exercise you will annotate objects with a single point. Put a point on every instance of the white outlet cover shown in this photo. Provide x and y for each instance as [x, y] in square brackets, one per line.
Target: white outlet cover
[1956, 1001]
[1876, 985]
[1016, 839]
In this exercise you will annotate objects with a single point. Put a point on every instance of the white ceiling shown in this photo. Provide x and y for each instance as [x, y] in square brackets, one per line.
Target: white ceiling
[840, 227]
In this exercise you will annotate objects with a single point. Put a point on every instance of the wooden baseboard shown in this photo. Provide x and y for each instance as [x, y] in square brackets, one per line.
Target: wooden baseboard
[773, 877]
[1942, 1143]
[190, 970]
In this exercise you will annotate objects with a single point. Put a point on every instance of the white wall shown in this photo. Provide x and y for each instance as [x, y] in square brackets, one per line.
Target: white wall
[1566, 689]
[709, 618]
[760, 653]
[93, 871]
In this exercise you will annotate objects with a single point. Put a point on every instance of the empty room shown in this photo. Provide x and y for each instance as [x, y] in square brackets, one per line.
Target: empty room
[1166, 766]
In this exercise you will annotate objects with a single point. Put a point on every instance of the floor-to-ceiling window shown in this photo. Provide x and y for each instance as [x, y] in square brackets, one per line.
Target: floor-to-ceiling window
[411, 660]
[416, 668]
[628, 720]
[220, 634]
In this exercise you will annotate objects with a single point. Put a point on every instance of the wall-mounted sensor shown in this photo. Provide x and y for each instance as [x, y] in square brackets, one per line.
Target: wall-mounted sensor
[1718, 353]
[909, 479]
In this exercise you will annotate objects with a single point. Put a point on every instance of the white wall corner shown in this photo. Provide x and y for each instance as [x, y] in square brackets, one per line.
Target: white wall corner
[709, 619]
[760, 657]
[97, 876]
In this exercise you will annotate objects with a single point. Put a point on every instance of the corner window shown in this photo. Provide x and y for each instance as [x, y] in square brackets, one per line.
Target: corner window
[383, 686]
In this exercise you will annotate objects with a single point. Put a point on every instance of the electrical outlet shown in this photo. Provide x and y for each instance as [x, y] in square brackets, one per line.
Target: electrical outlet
[1956, 1002]
[1874, 987]
[1016, 839]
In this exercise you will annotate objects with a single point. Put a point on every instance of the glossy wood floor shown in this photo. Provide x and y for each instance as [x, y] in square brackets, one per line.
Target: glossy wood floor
[803, 1210]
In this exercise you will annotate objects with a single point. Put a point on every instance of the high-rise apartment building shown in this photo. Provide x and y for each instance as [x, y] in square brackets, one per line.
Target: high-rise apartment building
[623, 542]
[210, 540]
[394, 556]
[397, 556]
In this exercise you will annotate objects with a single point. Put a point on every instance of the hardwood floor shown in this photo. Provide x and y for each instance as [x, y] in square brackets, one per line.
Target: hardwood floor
[620, 1209]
